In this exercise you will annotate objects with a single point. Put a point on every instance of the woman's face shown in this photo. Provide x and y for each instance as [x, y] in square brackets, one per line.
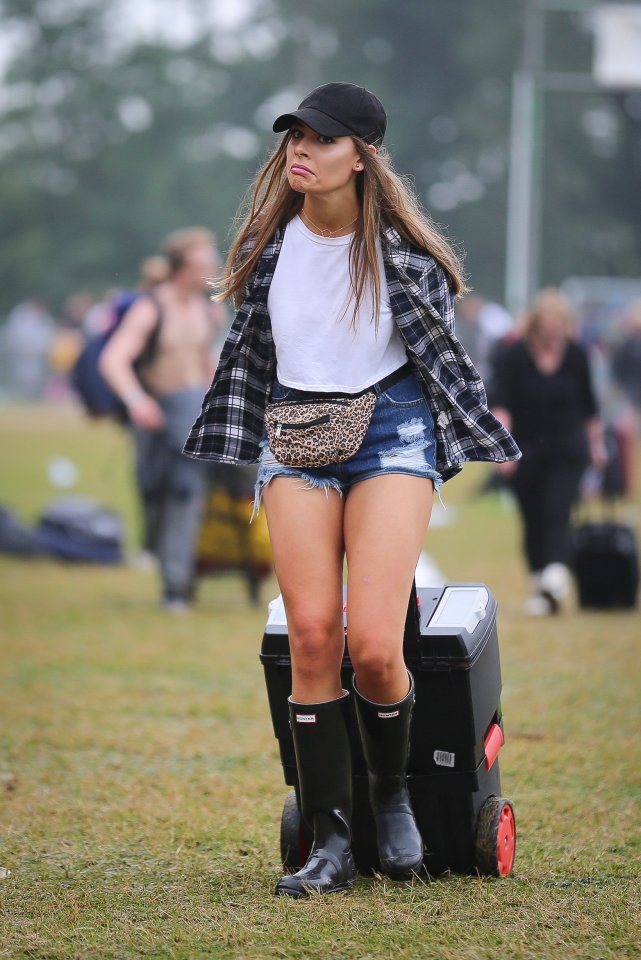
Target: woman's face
[320, 165]
[551, 328]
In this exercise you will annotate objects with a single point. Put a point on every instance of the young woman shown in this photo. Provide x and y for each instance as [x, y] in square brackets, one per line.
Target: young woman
[344, 286]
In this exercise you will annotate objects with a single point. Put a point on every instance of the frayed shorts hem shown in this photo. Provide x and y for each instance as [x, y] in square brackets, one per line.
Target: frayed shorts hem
[399, 440]
[310, 481]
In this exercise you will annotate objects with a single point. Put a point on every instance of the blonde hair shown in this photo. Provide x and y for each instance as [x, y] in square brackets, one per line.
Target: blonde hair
[546, 302]
[153, 270]
[176, 245]
[385, 199]
[632, 317]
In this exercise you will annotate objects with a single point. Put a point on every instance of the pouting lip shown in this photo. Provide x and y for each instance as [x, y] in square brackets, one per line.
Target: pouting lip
[300, 166]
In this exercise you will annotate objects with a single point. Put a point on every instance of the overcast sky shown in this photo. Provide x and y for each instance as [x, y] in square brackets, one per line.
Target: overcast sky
[175, 22]
[180, 21]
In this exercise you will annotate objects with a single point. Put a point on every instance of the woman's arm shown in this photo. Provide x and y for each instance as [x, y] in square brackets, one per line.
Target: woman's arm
[503, 415]
[592, 420]
[598, 450]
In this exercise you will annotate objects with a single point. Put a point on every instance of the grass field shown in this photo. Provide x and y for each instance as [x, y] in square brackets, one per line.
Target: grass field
[140, 786]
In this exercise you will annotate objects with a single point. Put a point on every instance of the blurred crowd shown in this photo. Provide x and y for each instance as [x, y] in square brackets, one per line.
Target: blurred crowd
[572, 403]
[567, 386]
[612, 342]
[39, 345]
[614, 346]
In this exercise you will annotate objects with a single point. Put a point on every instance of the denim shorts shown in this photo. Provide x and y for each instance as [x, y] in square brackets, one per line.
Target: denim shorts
[399, 439]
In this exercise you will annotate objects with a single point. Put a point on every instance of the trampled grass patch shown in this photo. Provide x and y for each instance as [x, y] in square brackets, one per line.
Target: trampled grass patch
[140, 784]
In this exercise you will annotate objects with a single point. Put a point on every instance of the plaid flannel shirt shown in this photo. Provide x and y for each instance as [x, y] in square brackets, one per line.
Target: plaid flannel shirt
[230, 424]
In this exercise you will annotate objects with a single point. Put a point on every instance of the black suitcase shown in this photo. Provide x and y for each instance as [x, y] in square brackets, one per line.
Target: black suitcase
[451, 647]
[606, 565]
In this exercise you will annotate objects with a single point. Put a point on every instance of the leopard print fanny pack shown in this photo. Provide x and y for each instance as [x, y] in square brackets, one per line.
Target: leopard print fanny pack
[315, 433]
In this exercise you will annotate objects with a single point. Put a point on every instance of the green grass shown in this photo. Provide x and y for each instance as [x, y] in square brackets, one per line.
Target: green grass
[140, 785]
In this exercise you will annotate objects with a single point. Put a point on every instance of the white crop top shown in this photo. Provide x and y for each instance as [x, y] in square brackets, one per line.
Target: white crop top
[317, 347]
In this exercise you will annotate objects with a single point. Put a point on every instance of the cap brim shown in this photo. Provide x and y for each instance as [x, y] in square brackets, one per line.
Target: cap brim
[320, 122]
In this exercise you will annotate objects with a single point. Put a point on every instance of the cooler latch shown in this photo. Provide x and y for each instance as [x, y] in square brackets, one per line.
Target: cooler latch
[493, 743]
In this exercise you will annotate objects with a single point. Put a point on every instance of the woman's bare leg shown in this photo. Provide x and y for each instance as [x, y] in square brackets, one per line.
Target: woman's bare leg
[306, 529]
[306, 532]
[386, 520]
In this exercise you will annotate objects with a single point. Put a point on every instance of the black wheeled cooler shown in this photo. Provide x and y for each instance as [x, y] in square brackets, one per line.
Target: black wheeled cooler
[451, 647]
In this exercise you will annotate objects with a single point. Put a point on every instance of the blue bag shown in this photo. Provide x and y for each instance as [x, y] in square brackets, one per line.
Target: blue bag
[95, 393]
[78, 529]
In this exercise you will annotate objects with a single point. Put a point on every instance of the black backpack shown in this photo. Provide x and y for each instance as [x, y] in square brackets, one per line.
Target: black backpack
[97, 397]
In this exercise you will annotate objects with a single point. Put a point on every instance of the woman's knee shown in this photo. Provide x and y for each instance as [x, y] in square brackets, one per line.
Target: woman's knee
[316, 643]
[375, 663]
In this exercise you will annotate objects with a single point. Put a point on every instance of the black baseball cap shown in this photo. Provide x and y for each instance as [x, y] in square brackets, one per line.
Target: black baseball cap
[339, 110]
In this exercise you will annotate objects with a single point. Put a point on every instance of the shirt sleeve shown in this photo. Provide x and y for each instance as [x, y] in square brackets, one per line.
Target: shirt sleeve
[435, 288]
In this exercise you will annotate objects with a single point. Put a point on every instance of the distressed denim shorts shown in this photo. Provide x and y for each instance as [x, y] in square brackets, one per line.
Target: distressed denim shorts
[399, 439]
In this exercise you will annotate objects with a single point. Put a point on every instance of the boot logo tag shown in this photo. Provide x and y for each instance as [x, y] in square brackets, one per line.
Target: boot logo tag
[389, 714]
[306, 718]
[443, 758]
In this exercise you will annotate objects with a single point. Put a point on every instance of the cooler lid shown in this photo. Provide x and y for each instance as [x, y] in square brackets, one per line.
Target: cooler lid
[460, 607]
[455, 626]
[277, 616]
[275, 645]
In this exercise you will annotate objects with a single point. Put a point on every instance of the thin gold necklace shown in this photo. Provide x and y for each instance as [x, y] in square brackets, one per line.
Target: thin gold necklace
[324, 231]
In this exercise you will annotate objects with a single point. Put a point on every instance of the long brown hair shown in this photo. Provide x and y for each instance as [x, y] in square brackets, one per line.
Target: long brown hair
[385, 199]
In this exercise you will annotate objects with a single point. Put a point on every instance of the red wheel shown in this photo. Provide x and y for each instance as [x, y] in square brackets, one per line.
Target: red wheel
[496, 838]
[295, 841]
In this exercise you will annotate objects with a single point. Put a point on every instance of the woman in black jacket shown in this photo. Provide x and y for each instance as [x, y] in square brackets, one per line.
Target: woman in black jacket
[543, 393]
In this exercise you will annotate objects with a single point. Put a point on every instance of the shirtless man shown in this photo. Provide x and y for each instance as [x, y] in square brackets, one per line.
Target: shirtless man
[163, 399]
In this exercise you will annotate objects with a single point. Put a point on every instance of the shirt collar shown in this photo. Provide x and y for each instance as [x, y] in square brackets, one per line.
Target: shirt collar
[392, 236]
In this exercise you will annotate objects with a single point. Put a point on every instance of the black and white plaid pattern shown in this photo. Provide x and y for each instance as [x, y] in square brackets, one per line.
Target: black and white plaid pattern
[230, 424]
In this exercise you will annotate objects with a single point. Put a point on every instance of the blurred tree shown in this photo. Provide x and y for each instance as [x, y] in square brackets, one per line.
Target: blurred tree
[112, 135]
[104, 149]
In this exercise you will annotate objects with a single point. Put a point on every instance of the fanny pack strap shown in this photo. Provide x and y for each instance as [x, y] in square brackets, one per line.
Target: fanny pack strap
[324, 429]
[378, 387]
[392, 378]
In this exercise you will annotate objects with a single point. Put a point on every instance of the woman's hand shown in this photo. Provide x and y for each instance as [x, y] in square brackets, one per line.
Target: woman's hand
[507, 469]
[598, 454]
[598, 449]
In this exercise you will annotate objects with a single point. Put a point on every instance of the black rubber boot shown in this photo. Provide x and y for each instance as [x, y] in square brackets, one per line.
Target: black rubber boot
[323, 759]
[385, 734]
